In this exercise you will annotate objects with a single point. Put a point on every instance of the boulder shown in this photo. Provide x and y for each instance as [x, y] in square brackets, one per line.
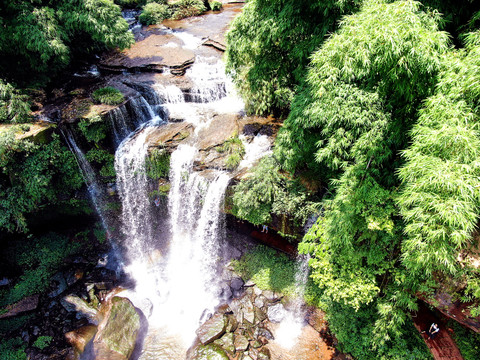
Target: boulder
[241, 343]
[79, 338]
[212, 329]
[210, 352]
[118, 331]
[236, 284]
[276, 313]
[226, 342]
[27, 304]
[73, 303]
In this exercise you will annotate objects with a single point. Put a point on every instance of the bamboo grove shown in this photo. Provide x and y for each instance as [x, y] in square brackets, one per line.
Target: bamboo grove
[382, 101]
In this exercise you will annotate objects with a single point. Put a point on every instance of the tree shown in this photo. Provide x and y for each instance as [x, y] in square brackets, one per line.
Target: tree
[440, 197]
[269, 44]
[39, 38]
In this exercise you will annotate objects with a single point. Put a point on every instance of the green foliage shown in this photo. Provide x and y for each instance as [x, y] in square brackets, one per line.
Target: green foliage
[93, 128]
[216, 5]
[42, 342]
[12, 349]
[39, 38]
[130, 3]
[468, 341]
[14, 107]
[268, 269]
[381, 62]
[108, 95]
[40, 259]
[158, 164]
[154, 13]
[440, 200]
[269, 45]
[235, 150]
[186, 8]
[33, 176]
[267, 191]
[103, 159]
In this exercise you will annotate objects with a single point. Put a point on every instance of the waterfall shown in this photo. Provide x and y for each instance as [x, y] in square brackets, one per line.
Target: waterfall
[291, 326]
[96, 192]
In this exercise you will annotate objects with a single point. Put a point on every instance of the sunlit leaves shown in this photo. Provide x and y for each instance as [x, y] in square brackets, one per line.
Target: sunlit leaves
[269, 46]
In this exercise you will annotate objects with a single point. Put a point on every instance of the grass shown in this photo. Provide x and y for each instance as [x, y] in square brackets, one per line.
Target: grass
[268, 269]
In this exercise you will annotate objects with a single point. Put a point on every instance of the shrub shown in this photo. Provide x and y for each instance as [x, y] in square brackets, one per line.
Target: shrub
[130, 4]
[235, 150]
[187, 8]
[12, 349]
[216, 5]
[268, 269]
[158, 164]
[108, 95]
[154, 13]
[42, 342]
[93, 128]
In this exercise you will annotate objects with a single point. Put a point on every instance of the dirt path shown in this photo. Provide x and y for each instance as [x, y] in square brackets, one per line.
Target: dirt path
[442, 347]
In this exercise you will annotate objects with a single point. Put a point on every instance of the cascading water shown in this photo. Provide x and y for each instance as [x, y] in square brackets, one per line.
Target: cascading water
[171, 266]
[96, 192]
[291, 326]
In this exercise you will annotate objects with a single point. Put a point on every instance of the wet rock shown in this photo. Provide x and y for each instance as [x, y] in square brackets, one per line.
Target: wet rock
[28, 304]
[226, 342]
[265, 333]
[150, 55]
[260, 301]
[59, 285]
[259, 315]
[241, 343]
[264, 354]
[276, 313]
[79, 338]
[117, 333]
[73, 303]
[232, 323]
[210, 352]
[226, 293]
[271, 296]
[212, 329]
[236, 284]
[169, 135]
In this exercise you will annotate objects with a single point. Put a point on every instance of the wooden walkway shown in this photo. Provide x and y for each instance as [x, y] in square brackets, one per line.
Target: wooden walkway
[442, 347]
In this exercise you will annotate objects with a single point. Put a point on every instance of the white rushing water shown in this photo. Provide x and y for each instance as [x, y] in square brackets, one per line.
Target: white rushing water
[291, 326]
[175, 269]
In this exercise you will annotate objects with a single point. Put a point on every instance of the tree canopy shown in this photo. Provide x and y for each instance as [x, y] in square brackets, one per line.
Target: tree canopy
[40, 37]
[386, 117]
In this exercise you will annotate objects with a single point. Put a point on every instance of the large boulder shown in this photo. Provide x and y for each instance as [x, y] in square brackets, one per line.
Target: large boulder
[276, 313]
[212, 329]
[118, 331]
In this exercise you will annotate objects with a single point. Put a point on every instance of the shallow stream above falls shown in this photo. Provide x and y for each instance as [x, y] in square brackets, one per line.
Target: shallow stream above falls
[177, 251]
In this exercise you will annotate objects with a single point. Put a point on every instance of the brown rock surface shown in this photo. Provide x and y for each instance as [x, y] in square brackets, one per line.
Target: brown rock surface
[27, 304]
[151, 54]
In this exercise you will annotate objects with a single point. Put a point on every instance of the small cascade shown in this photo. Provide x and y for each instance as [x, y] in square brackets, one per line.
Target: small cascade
[120, 122]
[96, 192]
[291, 326]
[254, 150]
[208, 76]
